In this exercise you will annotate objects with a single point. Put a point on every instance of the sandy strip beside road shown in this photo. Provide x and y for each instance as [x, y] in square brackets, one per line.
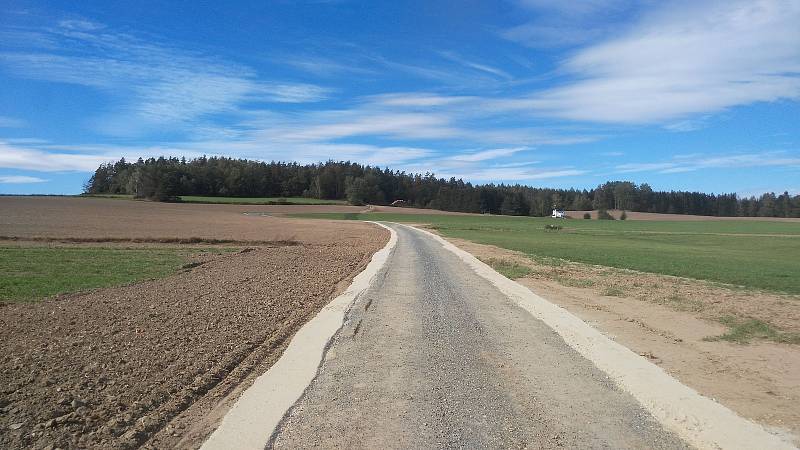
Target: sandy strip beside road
[252, 420]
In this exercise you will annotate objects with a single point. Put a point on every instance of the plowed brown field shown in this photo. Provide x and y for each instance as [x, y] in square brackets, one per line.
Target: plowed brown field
[158, 363]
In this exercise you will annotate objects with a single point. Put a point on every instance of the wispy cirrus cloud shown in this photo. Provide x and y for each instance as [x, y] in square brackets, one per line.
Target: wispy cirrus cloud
[691, 163]
[20, 179]
[322, 66]
[453, 120]
[567, 23]
[26, 158]
[490, 154]
[498, 174]
[45, 157]
[11, 122]
[684, 126]
[576, 9]
[418, 99]
[155, 84]
[681, 59]
[493, 165]
[480, 67]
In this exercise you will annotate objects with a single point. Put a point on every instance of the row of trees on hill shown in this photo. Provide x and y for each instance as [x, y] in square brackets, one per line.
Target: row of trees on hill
[166, 179]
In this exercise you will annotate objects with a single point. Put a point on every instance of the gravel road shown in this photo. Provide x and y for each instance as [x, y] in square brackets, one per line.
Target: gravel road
[433, 356]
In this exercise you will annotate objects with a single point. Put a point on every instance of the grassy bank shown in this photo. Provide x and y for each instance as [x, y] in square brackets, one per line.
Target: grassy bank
[761, 255]
[33, 273]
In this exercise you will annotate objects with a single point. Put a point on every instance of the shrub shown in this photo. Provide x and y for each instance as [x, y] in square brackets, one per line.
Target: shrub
[602, 214]
[550, 227]
[612, 291]
[587, 216]
[509, 269]
[623, 216]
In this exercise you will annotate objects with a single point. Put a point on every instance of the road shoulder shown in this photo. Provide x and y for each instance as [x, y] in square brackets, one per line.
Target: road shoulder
[252, 420]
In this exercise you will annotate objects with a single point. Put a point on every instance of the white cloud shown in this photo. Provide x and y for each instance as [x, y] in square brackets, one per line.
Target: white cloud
[684, 126]
[477, 174]
[691, 163]
[155, 85]
[685, 58]
[491, 165]
[80, 25]
[488, 154]
[567, 23]
[323, 66]
[452, 56]
[552, 35]
[15, 157]
[576, 8]
[86, 158]
[399, 125]
[63, 158]
[20, 179]
[460, 120]
[11, 122]
[418, 99]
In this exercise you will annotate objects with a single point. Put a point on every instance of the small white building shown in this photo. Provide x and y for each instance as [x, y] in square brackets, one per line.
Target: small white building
[559, 214]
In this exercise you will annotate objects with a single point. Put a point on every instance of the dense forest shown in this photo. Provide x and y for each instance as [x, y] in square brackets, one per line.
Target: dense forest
[166, 179]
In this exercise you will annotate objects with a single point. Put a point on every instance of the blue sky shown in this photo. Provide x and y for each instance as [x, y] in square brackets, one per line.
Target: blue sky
[687, 95]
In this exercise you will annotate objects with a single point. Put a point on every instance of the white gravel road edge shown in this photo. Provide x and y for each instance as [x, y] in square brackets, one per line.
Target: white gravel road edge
[698, 420]
[253, 418]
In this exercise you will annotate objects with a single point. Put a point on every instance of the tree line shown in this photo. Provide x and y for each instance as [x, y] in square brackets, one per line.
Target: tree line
[166, 179]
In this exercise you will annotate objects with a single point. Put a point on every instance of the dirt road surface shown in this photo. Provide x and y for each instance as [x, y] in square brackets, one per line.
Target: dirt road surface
[432, 356]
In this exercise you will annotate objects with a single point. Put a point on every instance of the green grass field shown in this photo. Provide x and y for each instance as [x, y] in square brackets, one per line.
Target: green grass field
[752, 254]
[33, 273]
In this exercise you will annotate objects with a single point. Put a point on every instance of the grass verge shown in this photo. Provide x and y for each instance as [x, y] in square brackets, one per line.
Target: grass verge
[573, 282]
[507, 268]
[612, 291]
[744, 331]
[34, 273]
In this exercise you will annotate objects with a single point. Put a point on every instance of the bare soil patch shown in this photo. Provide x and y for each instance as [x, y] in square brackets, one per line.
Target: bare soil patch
[409, 210]
[109, 219]
[157, 363]
[675, 217]
[669, 320]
